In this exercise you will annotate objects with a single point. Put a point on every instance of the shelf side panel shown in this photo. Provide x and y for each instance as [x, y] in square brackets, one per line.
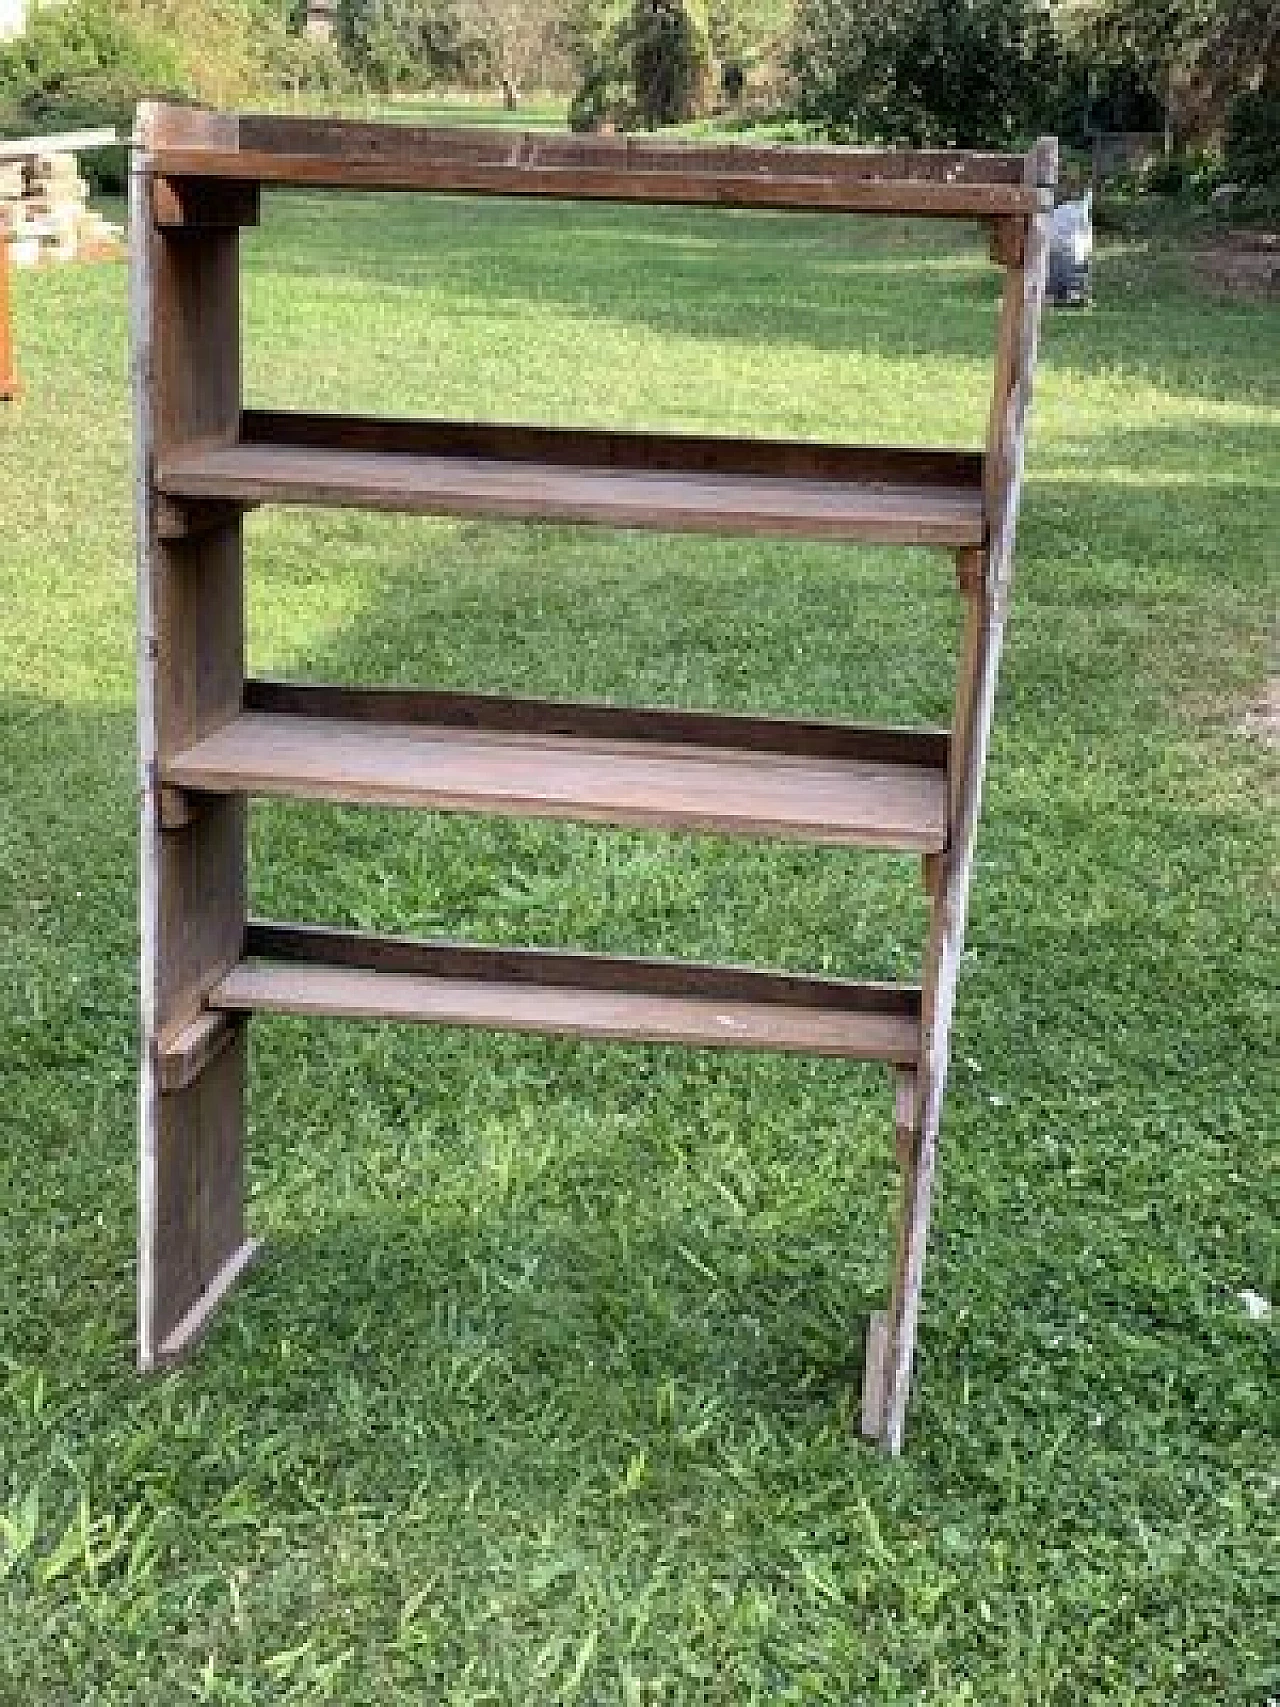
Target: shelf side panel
[185, 361]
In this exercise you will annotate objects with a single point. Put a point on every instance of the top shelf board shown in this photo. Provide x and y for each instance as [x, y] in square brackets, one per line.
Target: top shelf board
[186, 145]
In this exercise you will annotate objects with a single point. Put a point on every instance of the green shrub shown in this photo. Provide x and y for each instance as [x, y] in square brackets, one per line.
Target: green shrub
[299, 62]
[80, 65]
[85, 62]
[1253, 137]
[926, 72]
[648, 64]
[404, 44]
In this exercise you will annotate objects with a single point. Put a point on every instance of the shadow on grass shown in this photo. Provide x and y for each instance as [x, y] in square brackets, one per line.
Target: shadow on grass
[900, 290]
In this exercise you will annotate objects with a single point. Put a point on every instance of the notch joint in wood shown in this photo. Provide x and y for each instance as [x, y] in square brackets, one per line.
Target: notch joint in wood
[205, 204]
[188, 518]
[906, 1114]
[183, 1055]
[1008, 242]
[971, 565]
[177, 809]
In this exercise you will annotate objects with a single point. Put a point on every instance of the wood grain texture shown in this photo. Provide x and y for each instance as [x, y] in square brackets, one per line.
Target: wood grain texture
[672, 188]
[329, 945]
[207, 738]
[874, 1354]
[572, 995]
[843, 802]
[327, 153]
[184, 1054]
[456, 485]
[360, 140]
[1015, 368]
[185, 363]
[623, 450]
[670, 725]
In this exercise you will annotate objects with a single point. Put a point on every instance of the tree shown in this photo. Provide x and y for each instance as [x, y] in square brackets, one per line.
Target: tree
[512, 39]
[642, 62]
[921, 72]
[1197, 56]
[396, 44]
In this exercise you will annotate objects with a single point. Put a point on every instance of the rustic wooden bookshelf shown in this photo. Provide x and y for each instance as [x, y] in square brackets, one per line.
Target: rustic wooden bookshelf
[210, 738]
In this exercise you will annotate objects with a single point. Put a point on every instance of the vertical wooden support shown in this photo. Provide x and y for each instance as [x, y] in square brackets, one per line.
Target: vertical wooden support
[883, 1328]
[975, 700]
[186, 379]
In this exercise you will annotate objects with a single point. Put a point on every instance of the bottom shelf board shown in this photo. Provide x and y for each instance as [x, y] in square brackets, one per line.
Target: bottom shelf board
[312, 971]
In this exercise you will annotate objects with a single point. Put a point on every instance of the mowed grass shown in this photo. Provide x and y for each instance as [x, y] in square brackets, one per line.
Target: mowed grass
[547, 1389]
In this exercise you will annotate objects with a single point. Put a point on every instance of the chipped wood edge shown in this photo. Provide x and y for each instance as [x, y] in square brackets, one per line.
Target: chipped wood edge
[873, 1374]
[185, 1054]
[191, 1328]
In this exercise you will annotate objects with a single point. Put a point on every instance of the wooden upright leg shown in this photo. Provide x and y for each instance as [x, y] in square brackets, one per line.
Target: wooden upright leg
[192, 1242]
[885, 1325]
[988, 595]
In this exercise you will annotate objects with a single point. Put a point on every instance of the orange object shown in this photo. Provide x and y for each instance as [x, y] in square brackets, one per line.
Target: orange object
[9, 386]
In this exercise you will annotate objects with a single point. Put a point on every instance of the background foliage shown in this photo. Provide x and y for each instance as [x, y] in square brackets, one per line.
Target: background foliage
[979, 72]
[925, 72]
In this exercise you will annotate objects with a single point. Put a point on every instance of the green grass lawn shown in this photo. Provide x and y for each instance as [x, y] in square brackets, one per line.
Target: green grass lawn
[547, 1389]
[536, 110]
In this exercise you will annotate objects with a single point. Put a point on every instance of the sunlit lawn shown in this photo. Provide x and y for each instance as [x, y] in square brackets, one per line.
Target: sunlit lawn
[547, 1391]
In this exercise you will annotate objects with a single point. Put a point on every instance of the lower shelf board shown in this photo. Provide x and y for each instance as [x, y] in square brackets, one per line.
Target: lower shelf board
[311, 970]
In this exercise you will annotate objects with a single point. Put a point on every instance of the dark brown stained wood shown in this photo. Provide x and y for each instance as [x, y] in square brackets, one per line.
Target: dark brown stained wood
[355, 139]
[205, 204]
[331, 945]
[975, 702]
[208, 738]
[186, 372]
[673, 185]
[181, 521]
[883, 512]
[568, 995]
[925, 748]
[1008, 241]
[729, 791]
[184, 1054]
[624, 451]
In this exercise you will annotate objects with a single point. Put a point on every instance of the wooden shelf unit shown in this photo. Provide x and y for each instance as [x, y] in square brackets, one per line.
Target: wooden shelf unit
[210, 737]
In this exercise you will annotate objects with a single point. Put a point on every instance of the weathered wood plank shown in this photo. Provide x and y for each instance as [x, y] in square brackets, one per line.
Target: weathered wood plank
[573, 995]
[1015, 368]
[184, 1054]
[185, 361]
[670, 186]
[619, 449]
[454, 485]
[328, 945]
[925, 748]
[841, 802]
[359, 140]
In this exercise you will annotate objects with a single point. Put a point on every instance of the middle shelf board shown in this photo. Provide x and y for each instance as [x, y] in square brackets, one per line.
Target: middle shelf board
[717, 773]
[665, 481]
[314, 970]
